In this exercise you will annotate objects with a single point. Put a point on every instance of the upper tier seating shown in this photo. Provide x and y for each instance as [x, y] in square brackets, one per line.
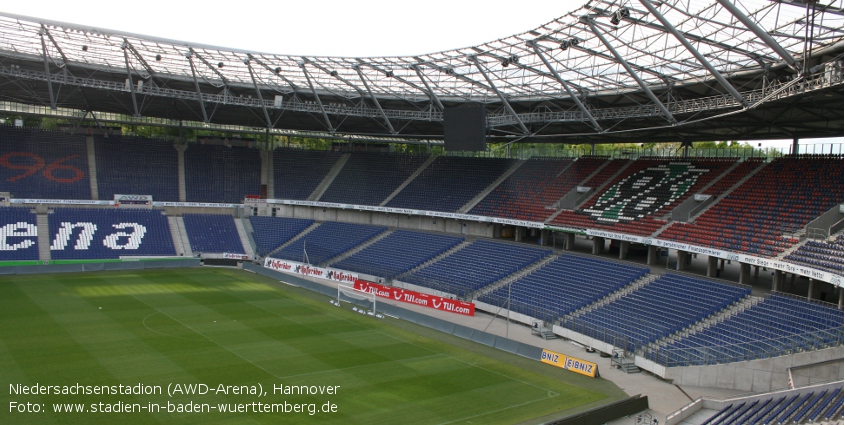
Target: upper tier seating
[563, 286]
[221, 174]
[271, 232]
[43, 164]
[759, 216]
[327, 241]
[475, 266]
[773, 327]
[136, 166]
[638, 198]
[297, 172]
[82, 233]
[517, 197]
[213, 233]
[369, 178]
[658, 309]
[397, 253]
[826, 256]
[18, 234]
[450, 182]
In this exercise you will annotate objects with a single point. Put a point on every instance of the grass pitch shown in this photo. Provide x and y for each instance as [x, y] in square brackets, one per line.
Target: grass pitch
[231, 340]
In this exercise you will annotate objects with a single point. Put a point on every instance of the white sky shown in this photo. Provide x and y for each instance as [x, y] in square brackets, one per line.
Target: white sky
[318, 27]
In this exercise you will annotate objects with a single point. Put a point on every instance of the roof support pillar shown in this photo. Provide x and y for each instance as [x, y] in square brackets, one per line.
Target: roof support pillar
[317, 97]
[197, 87]
[131, 82]
[701, 59]
[562, 82]
[258, 93]
[47, 71]
[760, 33]
[590, 23]
[501, 96]
[378, 105]
[431, 94]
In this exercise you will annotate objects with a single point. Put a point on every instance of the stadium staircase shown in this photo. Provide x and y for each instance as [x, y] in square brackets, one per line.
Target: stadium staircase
[183, 234]
[619, 293]
[474, 201]
[293, 239]
[43, 235]
[705, 323]
[607, 181]
[513, 277]
[409, 180]
[454, 249]
[92, 167]
[173, 224]
[247, 242]
[556, 205]
[358, 248]
[327, 181]
[180, 167]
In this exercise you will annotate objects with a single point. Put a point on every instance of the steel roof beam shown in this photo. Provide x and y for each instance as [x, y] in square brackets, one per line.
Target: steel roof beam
[210, 66]
[189, 56]
[390, 74]
[258, 93]
[505, 102]
[701, 59]
[375, 100]
[590, 23]
[131, 82]
[138, 56]
[278, 74]
[565, 85]
[760, 33]
[429, 91]
[317, 97]
[55, 44]
[47, 71]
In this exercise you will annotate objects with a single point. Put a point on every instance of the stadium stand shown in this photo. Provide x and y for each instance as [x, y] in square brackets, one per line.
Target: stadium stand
[136, 166]
[18, 234]
[563, 286]
[398, 253]
[213, 233]
[271, 232]
[222, 174]
[327, 241]
[761, 216]
[637, 200]
[297, 172]
[810, 407]
[658, 309]
[558, 187]
[83, 233]
[517, 197]
[450, 182]
[773, 327]
[369, 178]
[821, 255]
[43, 164]
[479, 264]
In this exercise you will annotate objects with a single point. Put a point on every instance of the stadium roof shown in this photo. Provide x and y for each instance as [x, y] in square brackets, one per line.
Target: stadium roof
[610, 71]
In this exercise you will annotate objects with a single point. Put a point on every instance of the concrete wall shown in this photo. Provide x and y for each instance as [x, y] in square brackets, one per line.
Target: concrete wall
[759, 375]
[400, 221]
